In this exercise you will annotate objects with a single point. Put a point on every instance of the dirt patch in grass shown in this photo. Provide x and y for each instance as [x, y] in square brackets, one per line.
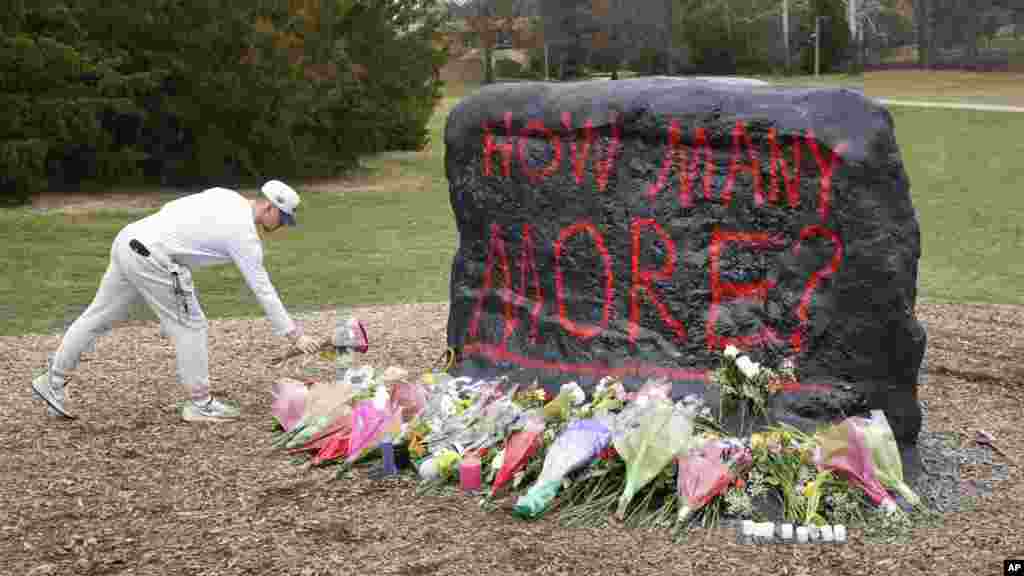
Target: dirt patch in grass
[1004, 88]
[129, 489]
[363, 183]
[143, 200]
[137, 200]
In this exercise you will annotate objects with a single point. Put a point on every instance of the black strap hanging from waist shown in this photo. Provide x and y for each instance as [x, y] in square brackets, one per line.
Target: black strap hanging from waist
[139, 248]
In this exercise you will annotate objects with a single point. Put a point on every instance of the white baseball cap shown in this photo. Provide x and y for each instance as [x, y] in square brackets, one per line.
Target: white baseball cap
[284, 198]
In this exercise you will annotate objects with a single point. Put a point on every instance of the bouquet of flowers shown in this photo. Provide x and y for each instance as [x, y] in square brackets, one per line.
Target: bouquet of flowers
[745, 385]
[647, 436]
[706, 471]
[606, 452]
[575, 447]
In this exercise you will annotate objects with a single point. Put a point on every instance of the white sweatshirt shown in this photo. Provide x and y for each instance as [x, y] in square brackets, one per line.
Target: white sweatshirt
[215, 227]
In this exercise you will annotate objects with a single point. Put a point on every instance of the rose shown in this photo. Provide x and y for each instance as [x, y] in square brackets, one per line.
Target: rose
[576, 393]
[749, 368]
[447, 405]
[381, 398]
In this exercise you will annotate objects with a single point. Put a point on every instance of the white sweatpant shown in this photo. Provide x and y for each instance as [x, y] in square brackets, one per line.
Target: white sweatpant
[128, 278]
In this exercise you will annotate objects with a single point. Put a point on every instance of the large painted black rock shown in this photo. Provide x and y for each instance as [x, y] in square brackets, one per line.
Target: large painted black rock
[638, 227]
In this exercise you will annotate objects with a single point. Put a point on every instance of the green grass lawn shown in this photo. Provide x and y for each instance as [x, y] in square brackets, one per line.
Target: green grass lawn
[394, 243]
[965, 171]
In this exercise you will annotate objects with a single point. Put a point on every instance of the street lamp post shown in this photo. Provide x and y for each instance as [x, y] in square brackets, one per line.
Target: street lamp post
[855, 33]
[547, 62]
[817, 43]
[785, 35]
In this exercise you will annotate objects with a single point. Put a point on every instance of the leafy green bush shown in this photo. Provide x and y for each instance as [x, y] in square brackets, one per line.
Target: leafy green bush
[508, 68]
[22, 169]
[201, 94]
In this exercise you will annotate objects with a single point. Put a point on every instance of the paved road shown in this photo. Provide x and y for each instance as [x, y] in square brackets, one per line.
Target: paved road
[951, 105]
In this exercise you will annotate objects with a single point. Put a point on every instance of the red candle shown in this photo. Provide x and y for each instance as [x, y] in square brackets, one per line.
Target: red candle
[469, 473]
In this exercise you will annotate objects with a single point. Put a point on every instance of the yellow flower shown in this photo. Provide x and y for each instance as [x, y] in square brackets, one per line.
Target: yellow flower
[810, 489]
[557, 408]
[447, 460]
[774, 442]
[416, 447]
[710, 435]
[757, 440]
[462, 405]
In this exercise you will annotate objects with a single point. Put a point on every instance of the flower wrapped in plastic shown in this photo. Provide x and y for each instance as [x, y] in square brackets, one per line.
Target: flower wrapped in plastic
[569, 395]
[885, 455]
[328, 406]
[372, 422]
[609, 396]
[410, 396]
[843, 448]
[647, 437]
[520, 446]
[340, 426]
[707, 470]
[653, 390]
[446, 414]
[289, 402]
[333, 447]
[496, 421]
[574, 448]
[468, 415]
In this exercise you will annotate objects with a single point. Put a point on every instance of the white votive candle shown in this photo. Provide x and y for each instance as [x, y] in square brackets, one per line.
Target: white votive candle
[747, 530]
[826, 533]
[768, 530]
[840, 533]
[813, 533]
[787, 531]
[801, 534]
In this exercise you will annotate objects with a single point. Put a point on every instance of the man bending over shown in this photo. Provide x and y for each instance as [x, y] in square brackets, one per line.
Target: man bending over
[152, 259]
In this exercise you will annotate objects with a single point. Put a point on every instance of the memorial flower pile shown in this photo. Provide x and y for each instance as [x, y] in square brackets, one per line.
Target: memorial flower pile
[637, 457]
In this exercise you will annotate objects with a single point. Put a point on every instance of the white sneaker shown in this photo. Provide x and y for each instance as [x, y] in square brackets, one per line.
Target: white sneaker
[49, 388]
[210, 411]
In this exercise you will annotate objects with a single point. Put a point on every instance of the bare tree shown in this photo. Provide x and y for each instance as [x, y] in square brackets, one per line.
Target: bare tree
[486, 18]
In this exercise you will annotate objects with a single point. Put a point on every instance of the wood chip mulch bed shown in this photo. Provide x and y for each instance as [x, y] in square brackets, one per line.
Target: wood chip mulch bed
[130, 489]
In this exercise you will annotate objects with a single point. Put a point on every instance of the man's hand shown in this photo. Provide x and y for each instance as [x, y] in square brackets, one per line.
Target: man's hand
[300, 344]
[306, 344]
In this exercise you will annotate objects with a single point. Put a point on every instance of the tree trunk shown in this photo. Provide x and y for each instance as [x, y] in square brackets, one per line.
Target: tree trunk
[971, 27]
[668, 38]
[923, 11]
[488, 65]
[919, 23]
